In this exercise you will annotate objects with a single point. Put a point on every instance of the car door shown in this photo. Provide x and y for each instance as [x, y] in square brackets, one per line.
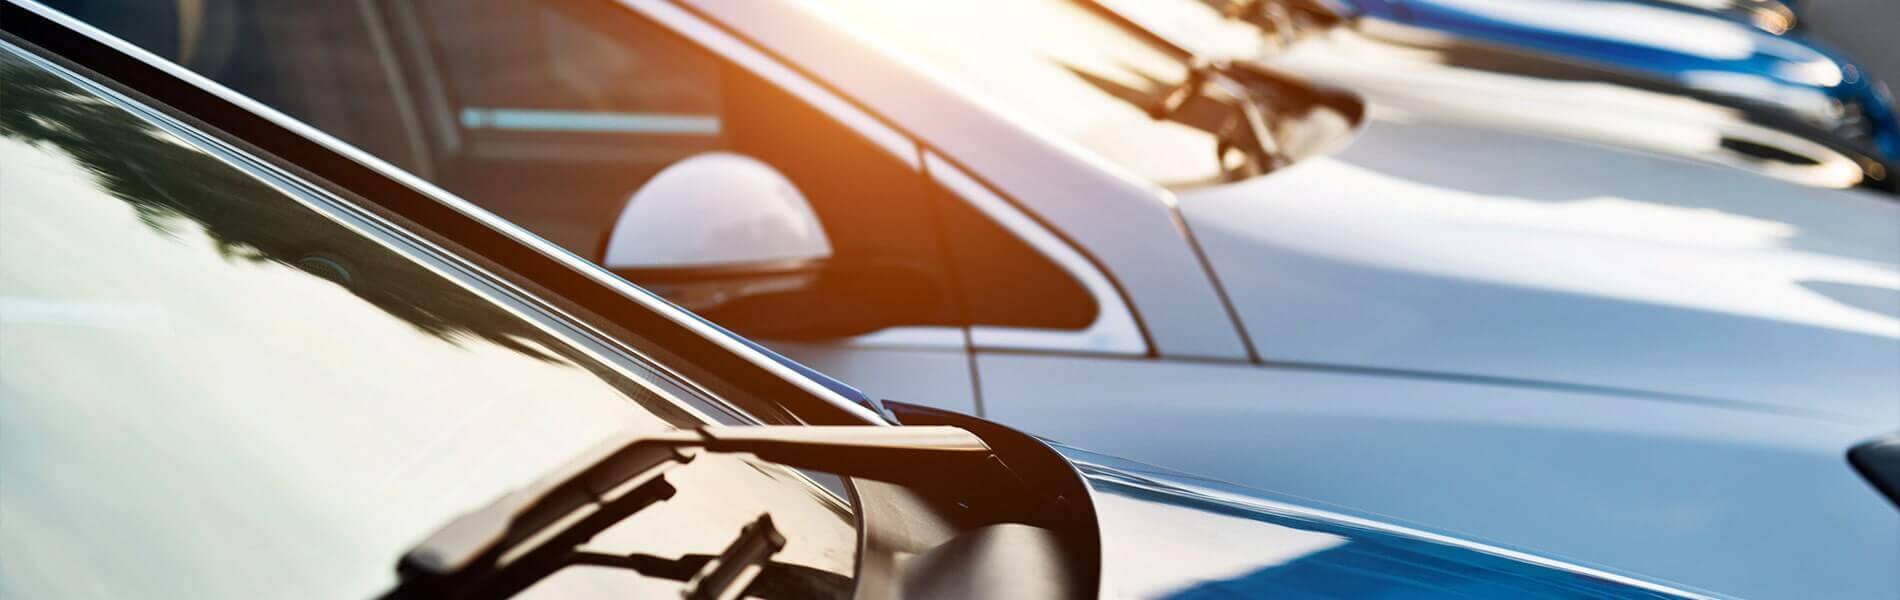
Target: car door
[555, 114]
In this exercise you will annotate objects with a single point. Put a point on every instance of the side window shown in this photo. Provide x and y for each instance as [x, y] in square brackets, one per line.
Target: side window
[555, 115]
[1002, 281]
[323, 62]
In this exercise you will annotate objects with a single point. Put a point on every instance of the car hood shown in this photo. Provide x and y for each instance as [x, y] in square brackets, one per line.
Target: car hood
[1437, 248]
[1165, 534]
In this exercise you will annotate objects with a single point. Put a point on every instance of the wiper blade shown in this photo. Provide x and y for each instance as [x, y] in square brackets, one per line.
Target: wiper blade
[743, 561]
[529, 534]
[1282, 21]
[1251, 137]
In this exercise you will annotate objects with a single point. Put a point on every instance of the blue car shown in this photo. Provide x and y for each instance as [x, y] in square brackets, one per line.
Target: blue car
[1784, 80]
[1772, 16]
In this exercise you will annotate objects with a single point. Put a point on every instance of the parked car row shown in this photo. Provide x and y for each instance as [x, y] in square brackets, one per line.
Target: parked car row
[433, 298]
[1754, 65]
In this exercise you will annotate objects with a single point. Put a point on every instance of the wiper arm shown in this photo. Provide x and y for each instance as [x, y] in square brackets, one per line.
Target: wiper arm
[529, 534]
[1271, 16]
[1251, 137]
[1248, 138]
[1282, 21]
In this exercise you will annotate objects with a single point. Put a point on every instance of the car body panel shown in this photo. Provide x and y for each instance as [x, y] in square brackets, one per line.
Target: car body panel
[1172, 535]
[1484, 260]
[1608, 112]
[1227, 417]
[1716, 496]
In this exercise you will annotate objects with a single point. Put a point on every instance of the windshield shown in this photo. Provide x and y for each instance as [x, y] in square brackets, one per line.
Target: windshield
[214, 387]
[1066, 68]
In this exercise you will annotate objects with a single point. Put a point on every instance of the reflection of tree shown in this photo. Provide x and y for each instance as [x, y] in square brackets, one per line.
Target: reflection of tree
[246, 220]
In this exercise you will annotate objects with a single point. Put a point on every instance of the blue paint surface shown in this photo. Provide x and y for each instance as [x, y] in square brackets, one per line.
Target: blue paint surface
[1363, 558]
[1783, 62]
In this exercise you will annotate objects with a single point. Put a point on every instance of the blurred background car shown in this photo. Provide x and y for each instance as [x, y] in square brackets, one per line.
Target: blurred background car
[1071, 225]
[1772, 16]
[245, 360]
[1794, 82]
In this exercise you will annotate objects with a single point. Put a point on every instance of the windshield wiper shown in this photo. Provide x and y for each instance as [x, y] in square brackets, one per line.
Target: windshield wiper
[1250, 138]
[527, 535]
[1281, 21]
[1245, 145]
[741, 563]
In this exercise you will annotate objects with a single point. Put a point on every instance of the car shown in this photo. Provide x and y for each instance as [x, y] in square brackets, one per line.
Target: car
[1772, 16]
[1645, 358]
[1799, 83]
[245, 360]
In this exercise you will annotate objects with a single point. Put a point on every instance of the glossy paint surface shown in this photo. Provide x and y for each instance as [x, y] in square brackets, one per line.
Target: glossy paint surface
[716, 209]
[1742, 502]
[1523, 257]
[1650, 445]
[1698, 51]
[1168, 535]
[1404, 82]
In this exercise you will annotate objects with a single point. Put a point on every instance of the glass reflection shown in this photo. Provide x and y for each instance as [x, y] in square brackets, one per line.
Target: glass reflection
[209, 389]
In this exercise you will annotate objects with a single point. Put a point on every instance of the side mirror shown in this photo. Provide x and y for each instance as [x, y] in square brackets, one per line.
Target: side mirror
[716, 210]
[729, 237]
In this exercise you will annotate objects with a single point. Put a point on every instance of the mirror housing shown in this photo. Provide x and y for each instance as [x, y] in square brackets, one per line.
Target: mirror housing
[727, 236]
[715, 210]
[715, 228]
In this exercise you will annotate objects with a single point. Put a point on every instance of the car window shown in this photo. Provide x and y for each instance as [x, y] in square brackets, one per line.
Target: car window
[553, 113]
[215, 382]
[998, 275]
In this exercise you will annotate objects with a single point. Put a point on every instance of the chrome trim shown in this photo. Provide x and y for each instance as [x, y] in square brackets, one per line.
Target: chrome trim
[514, 232]
[528, 119]
[1114, 330]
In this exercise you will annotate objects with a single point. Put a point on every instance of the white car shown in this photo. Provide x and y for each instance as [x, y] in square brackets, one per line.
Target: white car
[1640, 348]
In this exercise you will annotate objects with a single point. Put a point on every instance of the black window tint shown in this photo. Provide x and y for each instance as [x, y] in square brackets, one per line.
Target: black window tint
[552, 114]
[325, 63]
[1002, 280]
